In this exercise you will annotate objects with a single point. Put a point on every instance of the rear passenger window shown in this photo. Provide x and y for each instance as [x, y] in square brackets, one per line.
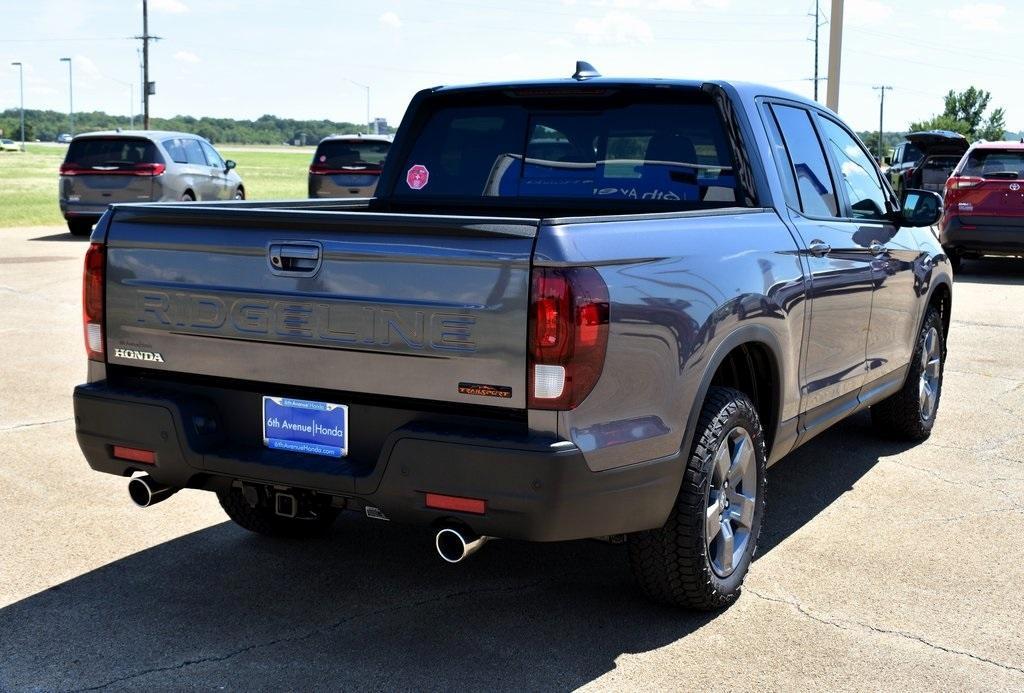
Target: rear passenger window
[175, 147]
[194, 152]
[782, 161]
[817, 194]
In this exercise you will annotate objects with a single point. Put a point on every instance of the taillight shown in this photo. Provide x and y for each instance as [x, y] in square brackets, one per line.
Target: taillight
[325, 170]
[568, 335]
[962, 182]
[92, 300]
[148, 169]
[67, 169]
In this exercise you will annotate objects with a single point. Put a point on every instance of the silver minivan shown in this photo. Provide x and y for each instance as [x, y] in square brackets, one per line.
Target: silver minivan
[347, 165]
[102, 168]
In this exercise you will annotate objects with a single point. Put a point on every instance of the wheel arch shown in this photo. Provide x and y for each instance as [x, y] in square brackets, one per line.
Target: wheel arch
[750, 360]
[941, 297]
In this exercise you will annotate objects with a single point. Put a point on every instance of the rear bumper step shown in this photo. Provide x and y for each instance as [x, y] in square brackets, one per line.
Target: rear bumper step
[533, 490]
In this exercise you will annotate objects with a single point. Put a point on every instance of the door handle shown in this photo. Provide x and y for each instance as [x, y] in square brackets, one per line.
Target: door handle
[819, 248]
[877, 248]
[296, 258]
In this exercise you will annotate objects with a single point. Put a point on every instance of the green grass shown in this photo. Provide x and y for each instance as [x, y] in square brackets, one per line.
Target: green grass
[28, 186]
[28, 181]
[272, 175]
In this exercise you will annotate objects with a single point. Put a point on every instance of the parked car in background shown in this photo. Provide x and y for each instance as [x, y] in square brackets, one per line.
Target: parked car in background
[9, 146]
[347, 165]
[983, 213]
[140, 166]
[64, 138]
[925, 160]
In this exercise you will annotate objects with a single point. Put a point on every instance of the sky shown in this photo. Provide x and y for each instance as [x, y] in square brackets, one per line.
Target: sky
[313, 59]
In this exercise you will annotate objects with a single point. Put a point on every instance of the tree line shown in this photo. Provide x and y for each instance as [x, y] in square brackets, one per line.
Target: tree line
[45, 126]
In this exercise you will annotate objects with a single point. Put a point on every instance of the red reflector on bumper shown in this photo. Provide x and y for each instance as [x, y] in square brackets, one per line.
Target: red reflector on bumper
[456, 503]
[134, 454]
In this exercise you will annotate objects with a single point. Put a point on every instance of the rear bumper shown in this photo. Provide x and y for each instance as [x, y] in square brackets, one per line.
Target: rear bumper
[78, 210]
[998, 235]
[535, 490]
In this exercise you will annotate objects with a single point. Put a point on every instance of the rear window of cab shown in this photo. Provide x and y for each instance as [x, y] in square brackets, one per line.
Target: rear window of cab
[661, 150]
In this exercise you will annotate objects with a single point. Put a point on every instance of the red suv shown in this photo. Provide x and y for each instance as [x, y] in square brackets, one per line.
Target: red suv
[983, 212]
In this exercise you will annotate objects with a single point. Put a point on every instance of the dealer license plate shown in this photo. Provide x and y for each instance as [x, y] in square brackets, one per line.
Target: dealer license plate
[299, 425]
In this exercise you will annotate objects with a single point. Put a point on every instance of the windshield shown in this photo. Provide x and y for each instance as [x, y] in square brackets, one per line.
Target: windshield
[351, 155]
[114, 152]
[994, 163]
[656, 152]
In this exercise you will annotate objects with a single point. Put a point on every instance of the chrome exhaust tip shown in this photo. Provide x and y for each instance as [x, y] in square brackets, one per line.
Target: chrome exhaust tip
[145, 492]
[455, 545]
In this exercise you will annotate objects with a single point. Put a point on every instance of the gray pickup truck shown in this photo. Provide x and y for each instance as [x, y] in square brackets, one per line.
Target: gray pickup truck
[578, 308]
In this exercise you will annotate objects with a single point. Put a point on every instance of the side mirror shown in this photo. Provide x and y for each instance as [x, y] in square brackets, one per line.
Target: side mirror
[229, 164]
[920, 208]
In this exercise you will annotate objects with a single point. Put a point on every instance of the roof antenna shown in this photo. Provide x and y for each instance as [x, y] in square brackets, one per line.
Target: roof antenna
[584, 71]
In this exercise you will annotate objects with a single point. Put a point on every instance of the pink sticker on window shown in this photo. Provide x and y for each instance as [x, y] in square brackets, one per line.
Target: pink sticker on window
[417, 177]
[323, 157]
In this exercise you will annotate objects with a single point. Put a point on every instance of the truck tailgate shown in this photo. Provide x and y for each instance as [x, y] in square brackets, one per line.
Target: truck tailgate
[431, 307]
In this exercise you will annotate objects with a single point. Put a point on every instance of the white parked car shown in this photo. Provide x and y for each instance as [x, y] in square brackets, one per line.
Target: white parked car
[9, 146]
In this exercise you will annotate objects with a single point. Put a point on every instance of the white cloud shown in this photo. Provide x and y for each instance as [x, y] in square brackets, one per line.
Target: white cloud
[984, 16]
[186, 57]
[86, 68]
[169, 6]
[390, 20]
[615, 27]
[866, 11]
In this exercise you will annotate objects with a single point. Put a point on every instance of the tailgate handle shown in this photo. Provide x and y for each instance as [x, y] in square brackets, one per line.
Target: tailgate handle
[294, 258]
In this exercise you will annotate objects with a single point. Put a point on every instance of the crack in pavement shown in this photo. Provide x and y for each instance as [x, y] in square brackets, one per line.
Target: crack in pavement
[845, 625]
[312, 633]
[34, 424]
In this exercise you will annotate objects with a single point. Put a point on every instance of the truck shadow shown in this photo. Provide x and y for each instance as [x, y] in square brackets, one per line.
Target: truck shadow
[372, 607]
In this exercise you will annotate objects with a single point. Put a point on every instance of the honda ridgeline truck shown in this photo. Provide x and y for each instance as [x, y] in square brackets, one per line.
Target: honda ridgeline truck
[587, 307]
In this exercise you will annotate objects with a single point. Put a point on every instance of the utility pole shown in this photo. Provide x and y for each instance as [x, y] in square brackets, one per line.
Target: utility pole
[881, 116]
[71, 96]
[817, 26]
[835, 54]
[148, 88]
[21, 88]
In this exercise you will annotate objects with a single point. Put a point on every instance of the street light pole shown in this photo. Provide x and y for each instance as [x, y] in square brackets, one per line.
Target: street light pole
[71, 96]
[21, 89]
[367, 88]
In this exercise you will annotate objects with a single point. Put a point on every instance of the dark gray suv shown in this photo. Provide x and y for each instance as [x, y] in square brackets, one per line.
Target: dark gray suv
[140, 166]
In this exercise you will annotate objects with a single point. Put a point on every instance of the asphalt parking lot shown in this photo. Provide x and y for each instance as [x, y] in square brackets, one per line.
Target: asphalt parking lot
[882, 566]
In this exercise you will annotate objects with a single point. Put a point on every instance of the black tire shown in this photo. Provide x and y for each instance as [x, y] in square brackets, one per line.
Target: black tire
[240, 194]
[673, 564]
[80, 227]
[262, 520]
[187, 196]
[902, 415]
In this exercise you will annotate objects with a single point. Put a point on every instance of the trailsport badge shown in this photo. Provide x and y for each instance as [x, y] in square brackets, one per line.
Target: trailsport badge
[417, 177]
